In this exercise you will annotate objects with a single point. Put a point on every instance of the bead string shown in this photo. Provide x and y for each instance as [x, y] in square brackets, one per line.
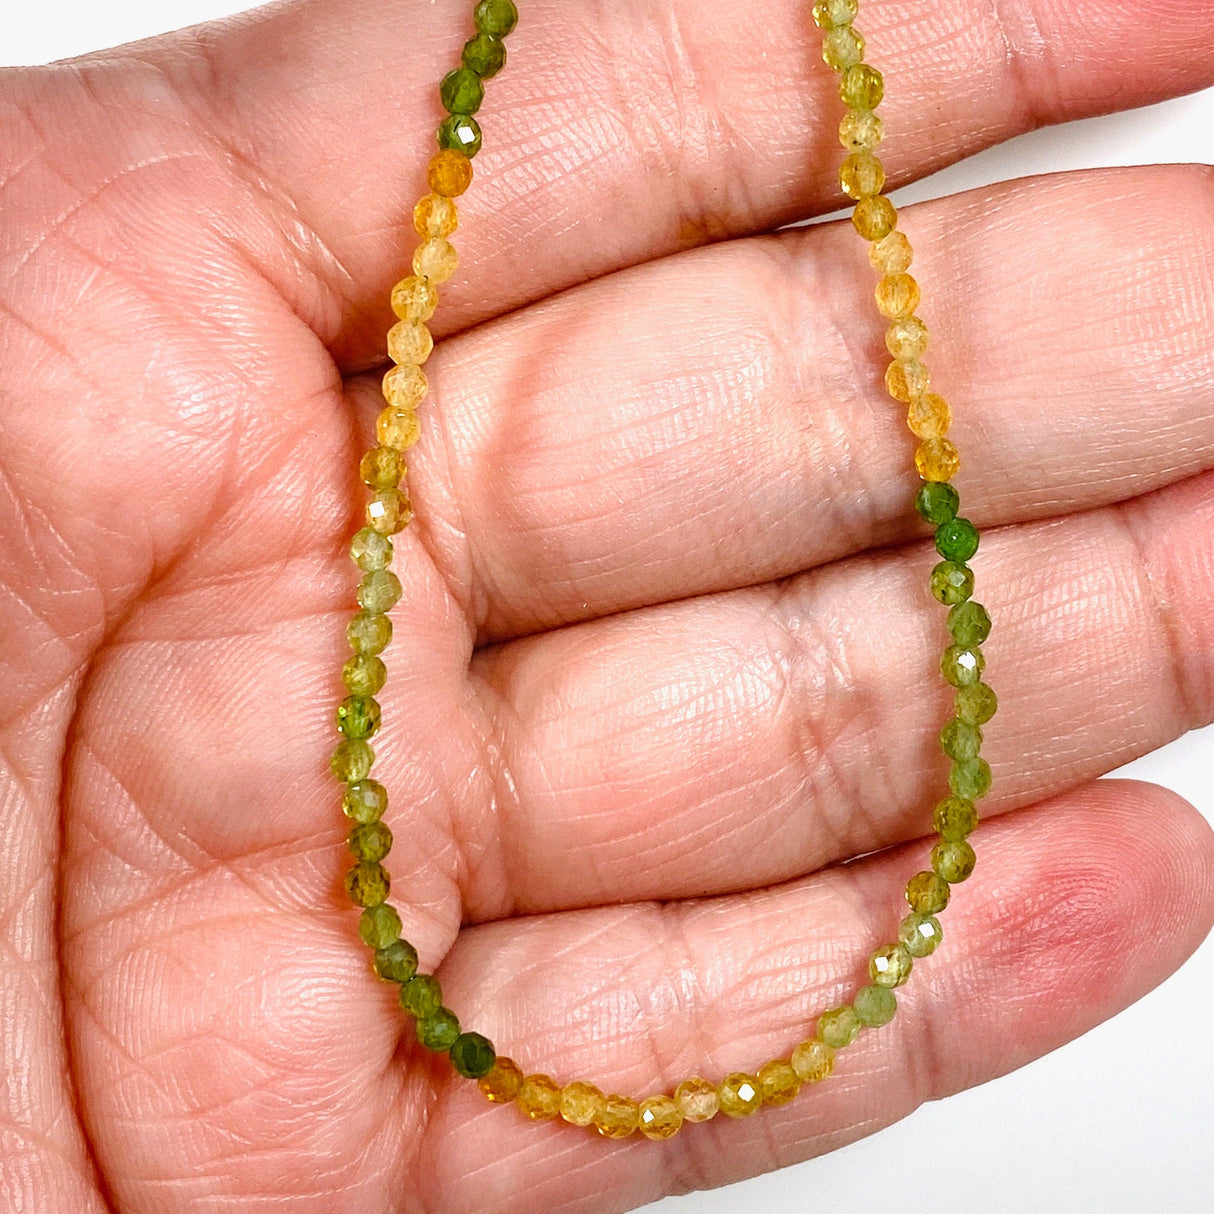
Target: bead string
[414, 300]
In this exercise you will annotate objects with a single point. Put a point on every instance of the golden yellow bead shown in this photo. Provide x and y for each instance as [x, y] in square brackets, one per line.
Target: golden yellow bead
[381, 468]
[435, 215]
[405, 386]
[739, 1094]
[697, 1099]
[399, 428]
[929, 416]
[539, 1098]
[897, 295]
[813, 1060]
[861, 130]
[778, 1082]
[389, 511]
[937, 460]
[580, 1103]
[450, 173]
[906, 379]
[414, 298]
[874, 217]
[892, 255]
[436, 259]
[861, 174]
[503, 1082]
[618, 1117]
[659, 1117]
[906, 338]
[409, 341]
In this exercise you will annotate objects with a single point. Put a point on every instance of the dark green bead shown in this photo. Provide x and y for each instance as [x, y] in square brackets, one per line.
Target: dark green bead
[461, 91]
[937, 502]
[439, 1031]
[461, 132]
[397, 962]
[365, 801]
[953, 859]
[875, 1005]
[367, 884]
[485, 55]
[957, 540]
[371, 841]
[497, 17]
[954, 818]
[970, 778]
[962, 665]
[960, 740]
[421, 996]
[473, 1055]
[976, 704]
[969, 623]
[952, 583]
[379, 926]
[358, 716]
[351, 760]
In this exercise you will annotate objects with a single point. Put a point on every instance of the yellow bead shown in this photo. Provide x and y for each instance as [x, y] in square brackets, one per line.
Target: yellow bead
[382, 468]
[861, 174]
[405, 386]
[414, 298]
[580, 1103]
[842, 47]
[861, 86]
[659, 1117]
[937, 460]
[450, 173]
[929, 416]
[503, 1082]
[436, 259]
[739, 1094]
[697, 1099]
[435, 215]
[539, 1098]
[813, 1060]
[906, 338]
[906, 380]
[618, 1117]
[897, 295]
[389, 511]
[399, 428]
[861, 130]
[409, 341]
[892, 255]
[778, 1082]
[874, 217]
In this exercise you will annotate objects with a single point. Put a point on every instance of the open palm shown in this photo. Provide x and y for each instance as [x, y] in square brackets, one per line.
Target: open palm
[664, 659]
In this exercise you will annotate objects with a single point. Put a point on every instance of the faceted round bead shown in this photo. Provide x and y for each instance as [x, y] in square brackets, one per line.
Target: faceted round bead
[351, 760]
[497, 17]
[382, 468]
[405, 387]
[907, 337]
[976, 704]
[920, 933]
[389, 511]
[409, 341]
[358, 717]
[421, 996]
[813, 1060]
[461, 132]
[970, 778]
[969, 623]
[927, 893]
[658, 1117]
[503, 1081]
[438, 1031]
[397, 962]
[379, 591]
[894, 255]
[485, 55]
[861, 87]
[861, 130]
[398, 429]
[472, 1055]
[953, 860]
[838, 1026]
[962, 665]
[364, 675]
[842, 47]
[890, 965]
[618, 1117]
[906, 379]
[929, 417]
[365, 801]
[379, 926]
[831, 14]
[957, 540]
[369, 632]
[436, 258]
[874, 217]
[937, 502]
[862, 174]
[739, 1095]
[875, 1006]
[415, 298]
[370, 841]
[449, 174]
[897, 296]
[697, 1099]
[952, 583]
[434, 215]
[539, 1098]
[937, 459]
[778, 1082]
[960, 740]
[581, 1103]
[369, 550]
[954, 818]
[367, 884]
[461, 92]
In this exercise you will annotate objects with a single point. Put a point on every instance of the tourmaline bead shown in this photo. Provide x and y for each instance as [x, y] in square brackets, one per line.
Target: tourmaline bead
[962, 665]
[897, 296]
[813, 1060]
[970, 778]
[370, 841]
[421, 996]
[472, 1055]
[739, 1094]
[875, 1006]
[539, 1098]
[894, 255]
[960, 740]
[861, 130]
[415, 298]
[842, 47]
[937, 502]
[861, 174]
[358, 717]
[369, 632]
[951, 583]
[436, 258]
[379, 926]
[976, 704]
[398, 429]
[778, 1082]
[697, 1099]
[502, 1082]
[461, 91]
[874, 217]
[906, 337]
[379, 591]
[449, 173]
[405, 387]
[927, 893]
[890, 965]
[954, 818]
[937, 459]
[929, 416]
[581, 1103]
[618, 1117]
[953, 860]
[434, 215]
[906, 379]
[382, 468]
[957, 540]
[439, 1030]
[969, 623]
[920, 933]
[364, 675]
[367, 884]
[351, 760]
[838, 1026]
[365, 801]
[396, 963]
[497, 17]
[409, 341]
[389, 511]
[831, 14]
[658, 1117]
[861, 86]
[369, 550]
[485, 55]
[461, 132]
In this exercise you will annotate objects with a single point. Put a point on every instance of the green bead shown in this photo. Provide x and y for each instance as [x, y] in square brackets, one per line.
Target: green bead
[957, 540]
[367, 885]
[369, 550]
[364, 674]
[953, 860]
[497, 17]
[485, 55]
[461, 132]
[927, 893]
[370, 841]
[379, 591]
[970, 778]
[351, 760]
[952, 583]
[954, 818]
[962, 665]
[960, 740]
[969, 623]
[365, 801]
[461, 91]
[890, 965]
[379, 925]
[358, 717]
[369, 632]
[976, 704]
[397, 962]
[382, 468]
[421, 996]
[831, 14]
[473, 1055]
[875, 1006]
[937, 502]
[862, 87]
[921, 934]
[438, 1031]
[838, 1026]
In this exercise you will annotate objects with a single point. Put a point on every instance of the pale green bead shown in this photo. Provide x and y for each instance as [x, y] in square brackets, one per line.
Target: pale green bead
[364, 674]
[875, 1006]
[970, 778]
[379, 591]
[953, 860]
[843, 46]
[961, 665]
[351, 760]
[890, 965]
[976, 704]
[921, 934]
[960, 740]
[369, 632]
[370, 550]
[365, 801]
[838, 1026]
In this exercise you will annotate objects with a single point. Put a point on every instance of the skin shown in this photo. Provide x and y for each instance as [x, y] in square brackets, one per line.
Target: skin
[665, 657]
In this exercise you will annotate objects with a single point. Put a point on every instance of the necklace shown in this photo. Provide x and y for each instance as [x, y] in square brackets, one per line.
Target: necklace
[388, 511]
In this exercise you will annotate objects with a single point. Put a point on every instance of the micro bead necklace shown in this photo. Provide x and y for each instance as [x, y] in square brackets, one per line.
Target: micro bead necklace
[397, 427]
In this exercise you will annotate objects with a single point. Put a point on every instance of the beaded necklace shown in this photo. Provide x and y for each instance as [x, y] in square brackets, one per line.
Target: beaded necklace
[398, 427]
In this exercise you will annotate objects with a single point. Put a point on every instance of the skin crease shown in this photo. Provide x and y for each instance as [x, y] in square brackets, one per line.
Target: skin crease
[664, 658]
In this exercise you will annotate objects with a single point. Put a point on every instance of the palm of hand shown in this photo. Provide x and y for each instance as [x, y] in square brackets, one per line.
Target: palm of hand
[611, 682]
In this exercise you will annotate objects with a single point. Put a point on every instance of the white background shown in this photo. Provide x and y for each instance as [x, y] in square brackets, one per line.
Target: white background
[1119, 1122]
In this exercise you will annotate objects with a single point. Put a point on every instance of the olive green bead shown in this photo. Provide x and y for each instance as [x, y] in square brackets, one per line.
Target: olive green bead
[369, 632]
[976, 704]
[461, 132]
[497, 17]
[358, 716]
[485, 55]
[927, 893]
[875, 1006]
[364, 674]
[952, 583]
[473, 1055]
[957, 540]
[421, 996]
[370, 841]
[365, 801]
[382, 468]
[379, 925]
[969, 623]
[970, 778]
[461, 91]
[379, 591]
[937, 502]
[921, 934]
[953, 860]
[831, 14]
[962, 665]
[890, 965]
[370, 551]
[351, 760]
[861, 86]
[960, 740]
[367, 884]
[838, 1026]
[438, 1031]
[954, 818]
[397, 962]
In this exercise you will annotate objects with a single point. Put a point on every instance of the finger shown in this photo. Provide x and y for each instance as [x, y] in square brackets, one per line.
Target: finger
[1035, 953]
[618, 134]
